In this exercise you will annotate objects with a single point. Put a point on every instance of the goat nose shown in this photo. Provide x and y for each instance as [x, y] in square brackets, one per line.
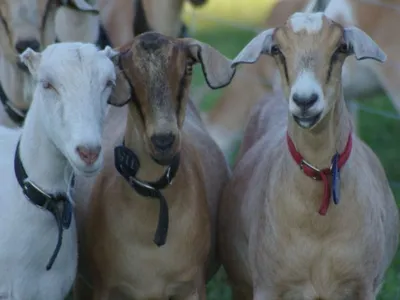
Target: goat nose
[22, 45]
[88, 154]
[305, 102]
[163, 142]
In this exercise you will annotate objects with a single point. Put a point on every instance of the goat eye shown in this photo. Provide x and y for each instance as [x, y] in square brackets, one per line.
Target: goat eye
[46, 85]
[275, 50]
[110, 83]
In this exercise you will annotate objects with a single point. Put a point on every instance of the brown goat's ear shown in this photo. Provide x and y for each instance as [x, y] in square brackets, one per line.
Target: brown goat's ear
[80, 5]
[362, 45]
[216, 67]
[261, 44]
[122, 91]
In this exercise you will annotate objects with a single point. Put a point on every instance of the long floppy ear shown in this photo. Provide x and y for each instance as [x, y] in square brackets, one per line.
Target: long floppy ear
[216, 67]
[122, 90]
[362, 45]
[261, 44]
[80, 5]
[31, 59]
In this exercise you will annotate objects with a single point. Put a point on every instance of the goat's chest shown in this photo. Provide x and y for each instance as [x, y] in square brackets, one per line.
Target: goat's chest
[305, 249]
[28, 237]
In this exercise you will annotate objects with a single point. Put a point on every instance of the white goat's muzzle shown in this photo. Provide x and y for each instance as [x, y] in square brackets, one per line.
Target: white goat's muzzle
[306, 102]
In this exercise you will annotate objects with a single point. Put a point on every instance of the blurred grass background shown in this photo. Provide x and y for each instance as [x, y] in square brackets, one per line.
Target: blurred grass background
[380, 133]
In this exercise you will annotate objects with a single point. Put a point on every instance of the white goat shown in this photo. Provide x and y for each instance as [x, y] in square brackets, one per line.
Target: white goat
[278, 239]
[61, 136]
[36, 24]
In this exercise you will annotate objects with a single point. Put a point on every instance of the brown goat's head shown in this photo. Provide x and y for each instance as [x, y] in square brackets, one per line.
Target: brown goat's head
[155, 77]
[30, 24]
[309, 50]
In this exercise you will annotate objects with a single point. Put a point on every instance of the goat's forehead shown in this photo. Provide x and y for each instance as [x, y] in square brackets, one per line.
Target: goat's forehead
[74, 58]
[311, 23]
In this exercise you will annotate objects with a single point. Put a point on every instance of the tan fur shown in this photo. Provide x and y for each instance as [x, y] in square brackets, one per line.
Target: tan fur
[361, 79]
[227, 119]
[117, 17]
[273, 243]
[24, 19]
[117, 253]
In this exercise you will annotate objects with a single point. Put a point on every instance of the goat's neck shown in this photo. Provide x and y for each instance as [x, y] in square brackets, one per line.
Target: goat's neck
[14, 82]
[44, 164]
[318, 145]
[134, 139]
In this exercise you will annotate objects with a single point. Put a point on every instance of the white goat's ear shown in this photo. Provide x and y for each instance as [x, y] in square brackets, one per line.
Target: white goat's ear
[216, 67]
[111, 54]
[362, 45]
[31, 59]
[80, 5]
[261, 44]
[121, 93]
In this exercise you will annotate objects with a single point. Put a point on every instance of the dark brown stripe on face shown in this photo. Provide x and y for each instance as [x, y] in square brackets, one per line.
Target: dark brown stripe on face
[46, 14]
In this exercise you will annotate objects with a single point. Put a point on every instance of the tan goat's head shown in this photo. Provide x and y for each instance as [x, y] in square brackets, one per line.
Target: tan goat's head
[30, 24]
[155, 78]
[309, 50]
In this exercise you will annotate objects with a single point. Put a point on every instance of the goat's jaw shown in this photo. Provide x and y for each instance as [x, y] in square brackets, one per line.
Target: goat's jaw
[307, 122]
[82, 169]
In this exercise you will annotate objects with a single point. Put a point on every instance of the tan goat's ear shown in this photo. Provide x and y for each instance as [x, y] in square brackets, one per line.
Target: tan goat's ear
[80, 5]
[31, 59]
[122, 91]
[261, 44]
[216, 67]
[362, 45]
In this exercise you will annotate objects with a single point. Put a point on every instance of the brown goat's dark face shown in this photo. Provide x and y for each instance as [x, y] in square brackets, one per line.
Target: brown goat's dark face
[159, 70]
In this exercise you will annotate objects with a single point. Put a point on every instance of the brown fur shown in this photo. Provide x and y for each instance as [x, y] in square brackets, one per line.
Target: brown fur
[273, 243]
[117, 253]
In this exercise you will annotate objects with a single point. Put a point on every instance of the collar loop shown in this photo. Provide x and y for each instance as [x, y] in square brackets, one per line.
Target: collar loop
[127, 164]
[45, 201]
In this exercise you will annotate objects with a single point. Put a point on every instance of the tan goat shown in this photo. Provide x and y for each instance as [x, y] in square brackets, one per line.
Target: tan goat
[277, 237]
[227, 119]
[164, 182]
[123, 19]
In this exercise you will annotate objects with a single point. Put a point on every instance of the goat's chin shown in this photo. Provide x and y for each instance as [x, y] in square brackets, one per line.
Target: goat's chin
[87, 171]
[164, 160]
[307, 122]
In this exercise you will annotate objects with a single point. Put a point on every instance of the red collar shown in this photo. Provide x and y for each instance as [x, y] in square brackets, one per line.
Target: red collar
[317, 174]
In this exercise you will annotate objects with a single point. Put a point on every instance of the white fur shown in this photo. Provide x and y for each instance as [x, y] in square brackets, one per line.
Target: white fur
[57, 122]
[340, 8]
[310, 22]
[305, 85]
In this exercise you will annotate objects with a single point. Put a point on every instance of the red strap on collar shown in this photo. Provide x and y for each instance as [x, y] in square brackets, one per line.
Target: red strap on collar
[317, 174]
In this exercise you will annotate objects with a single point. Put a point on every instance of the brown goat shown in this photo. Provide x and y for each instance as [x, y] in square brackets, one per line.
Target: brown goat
[162, 133]
[276, 239]
[120, 18]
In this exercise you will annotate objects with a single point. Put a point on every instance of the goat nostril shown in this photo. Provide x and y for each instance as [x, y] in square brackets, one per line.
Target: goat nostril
[305, 102]
[163, 141]
[22, 45]
[88, 154]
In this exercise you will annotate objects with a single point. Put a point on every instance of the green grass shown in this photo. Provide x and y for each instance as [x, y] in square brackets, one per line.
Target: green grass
[379, 133]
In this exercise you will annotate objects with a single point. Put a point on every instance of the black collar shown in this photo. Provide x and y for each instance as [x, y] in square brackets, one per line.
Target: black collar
[15, 114]
[127, 164]
[45, 201]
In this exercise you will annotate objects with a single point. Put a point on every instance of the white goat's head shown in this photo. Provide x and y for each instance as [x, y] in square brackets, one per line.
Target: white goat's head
[309, 50]
[74, 82]
[31, 24]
